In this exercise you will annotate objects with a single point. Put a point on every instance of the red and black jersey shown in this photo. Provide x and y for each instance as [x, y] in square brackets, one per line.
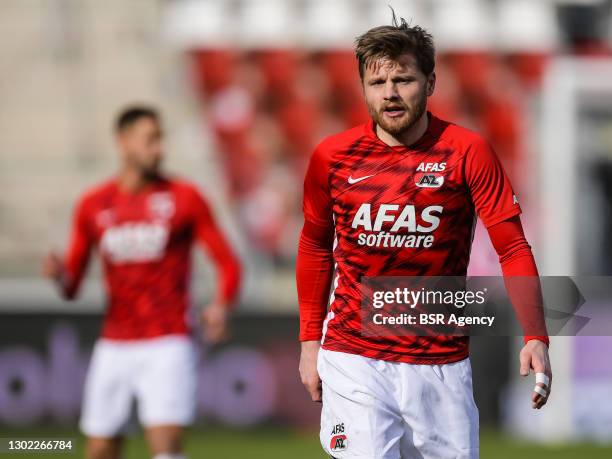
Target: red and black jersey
[400, 211]
[145, 241]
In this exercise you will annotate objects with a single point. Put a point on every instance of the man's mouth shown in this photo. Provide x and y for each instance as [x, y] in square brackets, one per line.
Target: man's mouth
[394, 111]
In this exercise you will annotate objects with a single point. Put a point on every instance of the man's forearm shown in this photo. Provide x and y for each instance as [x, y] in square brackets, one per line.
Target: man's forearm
[314, 271]
[520, 277]
[229, 280]
[525, 293]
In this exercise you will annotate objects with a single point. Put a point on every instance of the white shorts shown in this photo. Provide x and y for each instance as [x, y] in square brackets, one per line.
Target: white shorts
[377, 409]
[159, 374]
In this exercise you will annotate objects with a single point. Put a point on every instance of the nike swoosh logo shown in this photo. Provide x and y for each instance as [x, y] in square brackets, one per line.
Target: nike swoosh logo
[351, 180]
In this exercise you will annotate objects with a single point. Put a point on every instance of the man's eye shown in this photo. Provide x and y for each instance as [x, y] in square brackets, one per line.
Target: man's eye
[376, 83]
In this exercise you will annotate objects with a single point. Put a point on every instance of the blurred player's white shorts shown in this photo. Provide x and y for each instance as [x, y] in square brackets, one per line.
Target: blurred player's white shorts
[377, 409]
[158, 373]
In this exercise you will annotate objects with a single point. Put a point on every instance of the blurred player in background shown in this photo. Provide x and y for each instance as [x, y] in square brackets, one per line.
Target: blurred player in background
[408, 173]
[144, 225]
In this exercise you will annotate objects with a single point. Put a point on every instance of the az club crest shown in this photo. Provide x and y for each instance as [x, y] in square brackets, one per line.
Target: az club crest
[161, 205]
[338, 441]
[429, 180]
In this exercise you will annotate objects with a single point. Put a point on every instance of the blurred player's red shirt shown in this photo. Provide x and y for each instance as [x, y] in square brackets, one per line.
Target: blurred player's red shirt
[395, 211]
[145, 240]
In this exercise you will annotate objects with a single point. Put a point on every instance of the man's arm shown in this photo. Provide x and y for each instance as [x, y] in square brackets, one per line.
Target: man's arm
[498, 209]
[523, 286]
[208, 234]
[68, 273]
[314, 268]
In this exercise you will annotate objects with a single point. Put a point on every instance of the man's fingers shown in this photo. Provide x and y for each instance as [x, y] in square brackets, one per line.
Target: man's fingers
[315, 392]
[314, 389]
[534, 356]
[220, 336]
[215, 333]
[525, 361]
[541, 390]
[215, 326]
[316, 395]
[542, 379]
[52, 265]
[308, 370]
[538, 400]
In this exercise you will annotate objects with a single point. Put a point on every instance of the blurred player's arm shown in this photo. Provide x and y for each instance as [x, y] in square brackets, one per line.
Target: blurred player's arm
[68, 272]
[211, 238]
[499, 210]
[314, 269]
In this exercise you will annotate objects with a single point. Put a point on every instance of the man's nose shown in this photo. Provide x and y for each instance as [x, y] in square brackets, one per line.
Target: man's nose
[390, 92]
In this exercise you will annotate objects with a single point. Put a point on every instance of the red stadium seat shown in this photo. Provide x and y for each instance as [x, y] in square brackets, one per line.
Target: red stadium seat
[214, 69]
[529, 67]
[299, 120]
[279, 67]
[472, 70]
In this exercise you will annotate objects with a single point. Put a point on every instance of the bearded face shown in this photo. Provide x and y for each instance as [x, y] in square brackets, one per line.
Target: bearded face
[141, 147]
[396, 93]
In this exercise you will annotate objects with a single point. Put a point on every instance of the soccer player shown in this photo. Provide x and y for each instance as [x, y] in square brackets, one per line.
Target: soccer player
[144, 224]
[402, 396]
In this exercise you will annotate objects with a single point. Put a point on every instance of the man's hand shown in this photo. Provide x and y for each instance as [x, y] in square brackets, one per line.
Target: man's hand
[53, 268]
[215, 322]
[534, 355]
[308, 369]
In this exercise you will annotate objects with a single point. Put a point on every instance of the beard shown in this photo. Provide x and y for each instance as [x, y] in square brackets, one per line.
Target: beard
[400, 125]
[151, 173]
[149, 170]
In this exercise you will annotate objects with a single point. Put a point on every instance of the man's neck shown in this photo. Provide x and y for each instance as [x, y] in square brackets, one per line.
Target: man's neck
[132, 181]
[408, 138]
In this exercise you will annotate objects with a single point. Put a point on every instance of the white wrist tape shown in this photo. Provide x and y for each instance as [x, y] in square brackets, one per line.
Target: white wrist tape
[542, 378]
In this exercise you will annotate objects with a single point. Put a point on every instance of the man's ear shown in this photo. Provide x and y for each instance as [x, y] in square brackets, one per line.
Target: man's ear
[431, 83]
[119, 140]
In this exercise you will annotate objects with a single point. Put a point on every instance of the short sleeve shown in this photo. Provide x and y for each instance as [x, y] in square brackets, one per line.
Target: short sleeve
[490, 188]
[317, 203]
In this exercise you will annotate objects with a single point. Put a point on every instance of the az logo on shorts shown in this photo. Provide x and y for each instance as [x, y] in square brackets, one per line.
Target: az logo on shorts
[339, 441]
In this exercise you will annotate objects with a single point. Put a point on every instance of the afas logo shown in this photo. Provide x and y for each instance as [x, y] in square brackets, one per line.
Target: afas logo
[431, 167]
[135, 242]
[338, 442]
[404, 226]
[404, 218]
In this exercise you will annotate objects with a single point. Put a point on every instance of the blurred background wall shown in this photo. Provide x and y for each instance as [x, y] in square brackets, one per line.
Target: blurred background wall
[247, 89]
